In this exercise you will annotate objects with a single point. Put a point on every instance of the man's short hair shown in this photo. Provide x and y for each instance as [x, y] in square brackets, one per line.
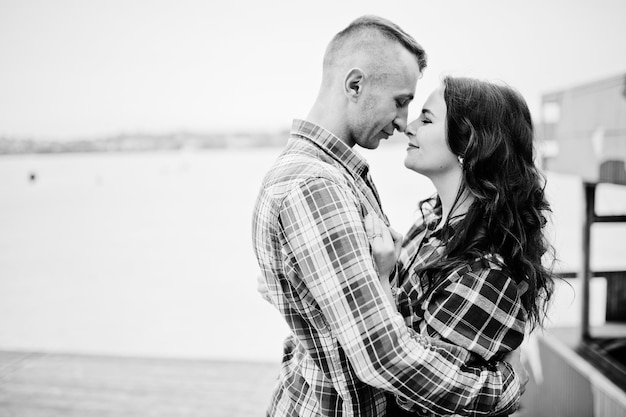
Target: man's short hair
[384, 27]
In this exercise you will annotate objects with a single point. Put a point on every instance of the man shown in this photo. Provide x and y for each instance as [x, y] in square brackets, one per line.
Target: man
[348, 345]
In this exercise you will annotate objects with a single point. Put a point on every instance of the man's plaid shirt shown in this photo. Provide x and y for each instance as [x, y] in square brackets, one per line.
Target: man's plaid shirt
[477, 306]
[348, 343]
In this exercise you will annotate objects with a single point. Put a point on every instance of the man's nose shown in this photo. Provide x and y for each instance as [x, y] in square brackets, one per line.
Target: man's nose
[400, 121]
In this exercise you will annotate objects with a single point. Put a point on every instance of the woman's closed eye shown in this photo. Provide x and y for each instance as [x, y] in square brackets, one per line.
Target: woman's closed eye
[424, 117]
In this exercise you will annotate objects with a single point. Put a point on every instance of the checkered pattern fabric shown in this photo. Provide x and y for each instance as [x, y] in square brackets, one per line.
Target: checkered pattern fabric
[477, 306]
[348, 343]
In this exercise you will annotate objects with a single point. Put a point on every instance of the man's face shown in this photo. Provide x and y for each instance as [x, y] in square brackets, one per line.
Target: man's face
[384, 104]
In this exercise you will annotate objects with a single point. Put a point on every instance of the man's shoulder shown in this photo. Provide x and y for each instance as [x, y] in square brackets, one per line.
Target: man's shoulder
[292, 169]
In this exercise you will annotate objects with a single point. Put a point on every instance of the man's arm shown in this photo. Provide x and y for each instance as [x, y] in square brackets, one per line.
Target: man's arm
[324, 230]
[478, 309]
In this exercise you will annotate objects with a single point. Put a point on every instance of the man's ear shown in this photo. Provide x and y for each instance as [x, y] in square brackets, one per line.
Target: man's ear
[353, 84]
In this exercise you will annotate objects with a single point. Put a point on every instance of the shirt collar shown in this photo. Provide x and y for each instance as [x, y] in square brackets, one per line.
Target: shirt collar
[332, 145]
[454, 222]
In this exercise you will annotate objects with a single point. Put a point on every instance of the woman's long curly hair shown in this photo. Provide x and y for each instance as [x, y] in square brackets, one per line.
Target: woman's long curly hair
[490, 128]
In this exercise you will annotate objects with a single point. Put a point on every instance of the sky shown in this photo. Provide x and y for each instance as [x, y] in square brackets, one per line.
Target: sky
[76, 69]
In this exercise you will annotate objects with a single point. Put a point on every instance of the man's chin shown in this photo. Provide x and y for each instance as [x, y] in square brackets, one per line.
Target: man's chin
[373, 144]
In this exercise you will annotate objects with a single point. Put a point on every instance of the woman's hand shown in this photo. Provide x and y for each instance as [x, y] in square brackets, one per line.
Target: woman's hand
[385, 243]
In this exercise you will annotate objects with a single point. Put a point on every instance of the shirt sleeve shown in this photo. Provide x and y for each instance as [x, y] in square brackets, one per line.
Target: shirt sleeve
[480, 311]
[322, 225]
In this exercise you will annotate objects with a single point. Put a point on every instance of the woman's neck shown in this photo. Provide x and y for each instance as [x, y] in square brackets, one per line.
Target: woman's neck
[447, 189]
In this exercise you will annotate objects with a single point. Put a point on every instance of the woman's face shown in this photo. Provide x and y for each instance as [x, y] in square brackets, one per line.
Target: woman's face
[428, 152]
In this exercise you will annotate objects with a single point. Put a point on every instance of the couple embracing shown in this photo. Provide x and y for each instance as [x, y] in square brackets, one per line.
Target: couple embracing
[425, 324]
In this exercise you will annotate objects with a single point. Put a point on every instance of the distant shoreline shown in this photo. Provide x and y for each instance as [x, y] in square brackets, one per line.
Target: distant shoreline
[144, 142]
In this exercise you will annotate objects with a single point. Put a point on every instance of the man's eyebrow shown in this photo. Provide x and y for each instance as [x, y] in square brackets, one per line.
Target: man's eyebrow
[406, 96]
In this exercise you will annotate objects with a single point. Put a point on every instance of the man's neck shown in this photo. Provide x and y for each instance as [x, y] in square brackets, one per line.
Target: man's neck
[327, 115]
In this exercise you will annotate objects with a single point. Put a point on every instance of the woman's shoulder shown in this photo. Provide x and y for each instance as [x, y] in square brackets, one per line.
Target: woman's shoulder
[479, 308]
[488, 262]
[487, 265]
[489, 274]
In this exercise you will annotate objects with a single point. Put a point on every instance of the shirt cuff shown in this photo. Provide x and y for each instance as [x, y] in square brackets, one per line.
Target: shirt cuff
[411, 407]
[510, 396]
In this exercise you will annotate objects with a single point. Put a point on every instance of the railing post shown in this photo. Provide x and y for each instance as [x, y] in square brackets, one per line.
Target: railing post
[586, 274]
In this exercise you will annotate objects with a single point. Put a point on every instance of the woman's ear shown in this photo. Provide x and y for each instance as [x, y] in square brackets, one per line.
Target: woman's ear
[353, 84]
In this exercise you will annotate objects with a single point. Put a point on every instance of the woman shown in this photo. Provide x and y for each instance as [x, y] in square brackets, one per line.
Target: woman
[470, 270]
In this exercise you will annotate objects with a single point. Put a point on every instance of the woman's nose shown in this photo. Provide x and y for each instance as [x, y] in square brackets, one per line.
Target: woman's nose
[411, 129]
